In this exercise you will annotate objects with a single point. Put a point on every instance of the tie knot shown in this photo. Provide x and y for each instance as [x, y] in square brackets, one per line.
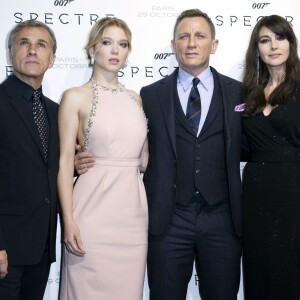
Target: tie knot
[196, 80]
[36, 96]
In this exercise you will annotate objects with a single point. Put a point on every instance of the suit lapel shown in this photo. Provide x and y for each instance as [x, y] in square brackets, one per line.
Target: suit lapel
[166, 100]
[228, 105]
[53, 131]
[23, 111]
[214, 108]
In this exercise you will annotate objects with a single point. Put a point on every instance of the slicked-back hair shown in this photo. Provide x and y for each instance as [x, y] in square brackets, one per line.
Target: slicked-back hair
[30, 24]
[96, 33]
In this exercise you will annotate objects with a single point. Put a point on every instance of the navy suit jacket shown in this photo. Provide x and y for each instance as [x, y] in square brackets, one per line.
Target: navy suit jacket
[160, 175]
[28, 185]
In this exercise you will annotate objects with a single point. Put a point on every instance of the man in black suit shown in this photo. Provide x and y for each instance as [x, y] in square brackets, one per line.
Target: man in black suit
[193, 175]
[29, 152]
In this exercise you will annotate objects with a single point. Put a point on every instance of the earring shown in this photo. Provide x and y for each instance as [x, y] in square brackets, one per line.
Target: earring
[257, 69]
[125, 65]
[92, 61]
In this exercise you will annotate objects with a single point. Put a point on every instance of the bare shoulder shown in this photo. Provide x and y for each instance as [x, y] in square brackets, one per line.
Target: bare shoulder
[137, 97]
[77, 92]
[76, 96]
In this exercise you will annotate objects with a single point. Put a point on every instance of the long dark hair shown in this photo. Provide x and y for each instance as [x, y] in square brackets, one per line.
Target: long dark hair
[256, 74]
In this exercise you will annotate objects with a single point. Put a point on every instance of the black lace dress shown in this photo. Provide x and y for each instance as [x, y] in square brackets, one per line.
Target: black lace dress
[271, 204]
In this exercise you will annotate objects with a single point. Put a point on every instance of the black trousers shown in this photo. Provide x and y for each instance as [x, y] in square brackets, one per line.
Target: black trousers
[202, 234]
[26, 282]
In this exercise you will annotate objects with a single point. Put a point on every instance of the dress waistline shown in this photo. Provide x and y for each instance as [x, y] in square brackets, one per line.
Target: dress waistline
[117, 162]
[282, 154]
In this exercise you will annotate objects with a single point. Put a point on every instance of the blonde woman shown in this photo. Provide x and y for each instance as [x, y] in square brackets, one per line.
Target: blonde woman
[105, 217]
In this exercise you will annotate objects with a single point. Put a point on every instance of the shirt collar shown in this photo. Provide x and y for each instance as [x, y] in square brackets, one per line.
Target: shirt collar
[185, 79]
[26, 89]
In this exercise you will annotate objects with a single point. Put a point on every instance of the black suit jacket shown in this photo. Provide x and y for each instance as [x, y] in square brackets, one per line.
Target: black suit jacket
[160, 175]
[28, 185]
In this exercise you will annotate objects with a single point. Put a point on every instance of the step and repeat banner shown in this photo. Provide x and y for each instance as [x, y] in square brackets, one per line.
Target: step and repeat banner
[151, 22]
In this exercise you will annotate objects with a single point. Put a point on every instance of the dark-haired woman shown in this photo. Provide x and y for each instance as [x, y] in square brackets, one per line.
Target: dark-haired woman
[271, 179]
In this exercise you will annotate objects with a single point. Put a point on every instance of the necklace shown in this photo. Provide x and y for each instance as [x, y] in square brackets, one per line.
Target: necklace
[119, 88]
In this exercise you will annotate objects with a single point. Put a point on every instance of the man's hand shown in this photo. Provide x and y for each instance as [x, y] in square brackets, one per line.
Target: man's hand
[83, 161]
[3, 264]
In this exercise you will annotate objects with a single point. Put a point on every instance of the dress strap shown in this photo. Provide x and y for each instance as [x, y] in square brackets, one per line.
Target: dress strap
[93, 108]
[131, 96]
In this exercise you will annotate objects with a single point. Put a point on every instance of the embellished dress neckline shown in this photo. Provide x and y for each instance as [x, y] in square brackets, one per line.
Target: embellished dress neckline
[96, 88]
[120, 87]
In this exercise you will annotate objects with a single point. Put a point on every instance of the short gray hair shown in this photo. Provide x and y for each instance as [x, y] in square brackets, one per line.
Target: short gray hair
[30, 23]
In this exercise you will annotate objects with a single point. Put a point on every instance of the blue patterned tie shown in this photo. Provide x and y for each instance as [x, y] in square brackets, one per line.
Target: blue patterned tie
[193, 112]
[40, 120]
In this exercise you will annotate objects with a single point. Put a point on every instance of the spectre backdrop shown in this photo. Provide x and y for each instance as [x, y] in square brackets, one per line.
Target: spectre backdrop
[151, 22]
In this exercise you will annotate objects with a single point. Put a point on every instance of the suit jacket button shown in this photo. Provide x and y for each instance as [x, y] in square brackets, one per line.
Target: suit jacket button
[174, 186]
[197, 171]
[47, 200]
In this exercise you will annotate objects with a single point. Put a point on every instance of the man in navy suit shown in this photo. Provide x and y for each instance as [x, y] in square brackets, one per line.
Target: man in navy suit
[29, 154]
[193, 175]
